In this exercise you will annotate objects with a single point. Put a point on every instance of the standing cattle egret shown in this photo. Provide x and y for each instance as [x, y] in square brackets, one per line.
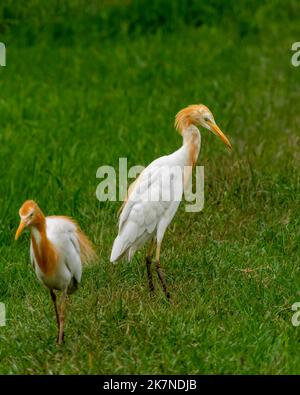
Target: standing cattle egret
[57, 250]
[143, 218]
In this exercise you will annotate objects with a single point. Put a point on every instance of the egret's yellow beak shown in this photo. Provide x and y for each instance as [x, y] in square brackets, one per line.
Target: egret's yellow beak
[218, 132]
[20, 229]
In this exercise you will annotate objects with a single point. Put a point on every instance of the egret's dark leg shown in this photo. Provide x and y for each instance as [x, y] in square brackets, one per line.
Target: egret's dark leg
[160, 274]
[53, 297]
[148, 264]
[62, 316]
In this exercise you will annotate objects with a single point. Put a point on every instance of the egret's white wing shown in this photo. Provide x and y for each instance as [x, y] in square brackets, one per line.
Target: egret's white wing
[73, 260]
[63, 234]
[145, 182]
[151, 205]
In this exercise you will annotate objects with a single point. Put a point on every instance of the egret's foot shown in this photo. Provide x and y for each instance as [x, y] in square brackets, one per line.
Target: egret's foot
[170, 300]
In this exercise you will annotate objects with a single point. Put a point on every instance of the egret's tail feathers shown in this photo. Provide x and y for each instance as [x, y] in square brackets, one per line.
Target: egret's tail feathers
[87, 250]
[118, 249]
[125, 242]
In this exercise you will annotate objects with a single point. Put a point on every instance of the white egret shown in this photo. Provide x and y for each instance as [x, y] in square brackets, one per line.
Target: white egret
[146, 219]
[58, 248]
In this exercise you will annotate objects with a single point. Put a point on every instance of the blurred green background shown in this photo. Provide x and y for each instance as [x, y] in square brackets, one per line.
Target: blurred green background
[89, 82]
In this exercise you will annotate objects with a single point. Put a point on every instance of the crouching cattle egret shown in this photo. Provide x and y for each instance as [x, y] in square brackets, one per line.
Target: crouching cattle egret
[143, 219]
[58, 248]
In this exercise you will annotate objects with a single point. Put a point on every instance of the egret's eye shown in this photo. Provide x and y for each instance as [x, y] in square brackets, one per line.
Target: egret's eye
[206, 119]
[31, 215]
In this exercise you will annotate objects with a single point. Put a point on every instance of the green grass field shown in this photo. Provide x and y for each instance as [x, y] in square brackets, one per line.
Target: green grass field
[83, 88]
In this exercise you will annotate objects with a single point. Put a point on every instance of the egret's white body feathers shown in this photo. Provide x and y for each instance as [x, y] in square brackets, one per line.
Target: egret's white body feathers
[63, 235]
[153, 202]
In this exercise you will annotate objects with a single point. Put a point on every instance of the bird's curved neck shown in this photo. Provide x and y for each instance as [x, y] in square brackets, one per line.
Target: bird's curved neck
[44, 252]
[192, 140]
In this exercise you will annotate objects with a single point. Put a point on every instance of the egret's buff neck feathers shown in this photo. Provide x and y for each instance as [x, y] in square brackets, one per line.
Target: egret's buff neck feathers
[191, 138]
[44, 251]
[187, 121]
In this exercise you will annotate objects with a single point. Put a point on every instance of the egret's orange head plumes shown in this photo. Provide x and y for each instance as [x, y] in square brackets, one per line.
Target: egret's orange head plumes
[30, 215]
[199, 115]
